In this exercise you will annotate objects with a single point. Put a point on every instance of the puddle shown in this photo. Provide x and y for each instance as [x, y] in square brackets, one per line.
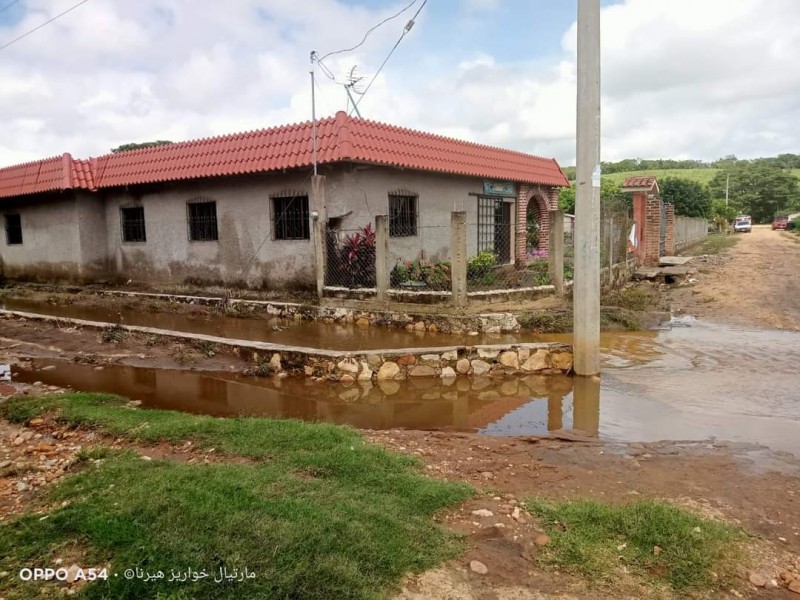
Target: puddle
[474, 404]
[278, 331]
[693, 382]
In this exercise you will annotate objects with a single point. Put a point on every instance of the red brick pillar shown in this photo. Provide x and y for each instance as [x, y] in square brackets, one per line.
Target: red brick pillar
[640, 218]
[652, 230]
[670, 235]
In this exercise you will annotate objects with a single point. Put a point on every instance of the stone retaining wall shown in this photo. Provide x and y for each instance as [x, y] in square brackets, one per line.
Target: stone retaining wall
[382, 365]
[387, 365]
[482, 323]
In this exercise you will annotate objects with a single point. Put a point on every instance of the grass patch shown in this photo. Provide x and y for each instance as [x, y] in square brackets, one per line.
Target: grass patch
[655, 542]
[636, 297]
[560, 321]
[716, 244]
[319, 514]
[547, 321]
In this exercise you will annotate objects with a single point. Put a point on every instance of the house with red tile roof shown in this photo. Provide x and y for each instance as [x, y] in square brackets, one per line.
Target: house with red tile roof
[238, 209]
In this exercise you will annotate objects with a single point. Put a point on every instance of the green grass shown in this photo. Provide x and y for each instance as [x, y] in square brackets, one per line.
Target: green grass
[715, 244]
[320, 513]
[699, 175]
[597, 541]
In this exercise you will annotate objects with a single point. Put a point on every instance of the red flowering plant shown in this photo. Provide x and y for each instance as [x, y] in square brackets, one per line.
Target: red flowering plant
[357, 258]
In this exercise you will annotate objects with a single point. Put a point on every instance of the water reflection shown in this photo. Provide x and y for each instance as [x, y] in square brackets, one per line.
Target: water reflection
[507, 406]
[274, 330]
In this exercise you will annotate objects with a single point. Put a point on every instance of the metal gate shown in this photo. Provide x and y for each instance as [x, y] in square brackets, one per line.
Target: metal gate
[662, 232]
[502, 232]
[494, 228]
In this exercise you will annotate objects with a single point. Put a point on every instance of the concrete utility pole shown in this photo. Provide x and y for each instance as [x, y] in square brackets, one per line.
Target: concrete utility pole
[586, 290]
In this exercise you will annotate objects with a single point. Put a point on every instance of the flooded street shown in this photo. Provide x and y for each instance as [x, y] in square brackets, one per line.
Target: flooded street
[695, 380]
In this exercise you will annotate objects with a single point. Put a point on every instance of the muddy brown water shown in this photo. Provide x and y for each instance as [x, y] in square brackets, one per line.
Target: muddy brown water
[692, 381]
[274, 330]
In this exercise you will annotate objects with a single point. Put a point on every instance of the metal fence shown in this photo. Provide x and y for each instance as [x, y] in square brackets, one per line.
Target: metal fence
[421, 262]
[350, 258]
[492, 260]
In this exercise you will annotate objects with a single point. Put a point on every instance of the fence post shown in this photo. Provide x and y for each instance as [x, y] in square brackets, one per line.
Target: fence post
[319, 208]
[611, 238]
[555, 251]
[458, 257]
[382, 255]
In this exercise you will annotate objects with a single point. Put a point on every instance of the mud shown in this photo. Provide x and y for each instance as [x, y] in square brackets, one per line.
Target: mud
[755, 285]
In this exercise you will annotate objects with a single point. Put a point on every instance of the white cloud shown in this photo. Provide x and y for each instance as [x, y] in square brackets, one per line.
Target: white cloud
[681, 78]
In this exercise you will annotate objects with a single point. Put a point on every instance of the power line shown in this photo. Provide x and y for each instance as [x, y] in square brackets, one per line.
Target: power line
[370, 30]
[406, 29]
[9, 5]
[26, 34]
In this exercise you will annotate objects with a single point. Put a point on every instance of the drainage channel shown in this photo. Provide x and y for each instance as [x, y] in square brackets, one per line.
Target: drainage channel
[284, 332]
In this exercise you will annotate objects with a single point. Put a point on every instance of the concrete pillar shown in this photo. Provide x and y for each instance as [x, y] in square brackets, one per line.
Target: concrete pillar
[382, 255]
[586, 288]
[670, 234]
[319, 215]
[586, 404]
[555, 251]
[458, 257]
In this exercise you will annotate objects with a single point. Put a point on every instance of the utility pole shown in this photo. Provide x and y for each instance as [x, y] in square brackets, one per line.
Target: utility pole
[313, 113]
[727, 183]
[586, 289]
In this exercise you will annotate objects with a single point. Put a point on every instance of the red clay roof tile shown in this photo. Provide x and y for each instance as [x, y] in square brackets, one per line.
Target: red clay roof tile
[639, 181]
[339, 138]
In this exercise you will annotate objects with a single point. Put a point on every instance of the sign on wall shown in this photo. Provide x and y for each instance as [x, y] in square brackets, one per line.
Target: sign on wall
[499, 188]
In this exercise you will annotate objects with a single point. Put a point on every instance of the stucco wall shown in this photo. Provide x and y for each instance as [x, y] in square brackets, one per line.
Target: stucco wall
[245, 252]
[90, 217]
[360, 192]
[50, 247]
[79, 236]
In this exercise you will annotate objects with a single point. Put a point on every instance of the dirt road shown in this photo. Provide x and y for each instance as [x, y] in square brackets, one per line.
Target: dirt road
[758, 284]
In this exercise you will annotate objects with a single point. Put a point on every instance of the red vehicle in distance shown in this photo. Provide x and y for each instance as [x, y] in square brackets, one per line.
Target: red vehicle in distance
[780, 223]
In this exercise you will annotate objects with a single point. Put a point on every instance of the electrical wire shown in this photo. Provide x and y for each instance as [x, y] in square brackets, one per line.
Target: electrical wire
[370, 30]
[9, 5]
[26, 34]
[406, 29]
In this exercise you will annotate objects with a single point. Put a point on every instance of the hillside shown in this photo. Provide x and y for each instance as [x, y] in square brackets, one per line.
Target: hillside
[700, 175]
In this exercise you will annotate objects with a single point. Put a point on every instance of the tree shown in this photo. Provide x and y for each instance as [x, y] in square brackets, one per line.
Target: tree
[134, 146]
[691, 199]
[758, 189]
[566, 200]
[612, 199]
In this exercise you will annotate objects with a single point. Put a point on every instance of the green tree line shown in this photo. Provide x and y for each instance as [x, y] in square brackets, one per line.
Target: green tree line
[762, 188]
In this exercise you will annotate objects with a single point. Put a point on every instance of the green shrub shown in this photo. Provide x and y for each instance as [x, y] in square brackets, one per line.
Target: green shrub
[435, 275]
[480, 268]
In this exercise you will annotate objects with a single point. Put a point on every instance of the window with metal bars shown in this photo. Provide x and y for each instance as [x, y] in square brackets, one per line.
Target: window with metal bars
[290, 218]
[202, 216]
[13, 230]
[132, 219]
[402, 215]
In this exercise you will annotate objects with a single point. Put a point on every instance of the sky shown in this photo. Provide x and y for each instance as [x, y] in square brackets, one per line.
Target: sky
[681, 78]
